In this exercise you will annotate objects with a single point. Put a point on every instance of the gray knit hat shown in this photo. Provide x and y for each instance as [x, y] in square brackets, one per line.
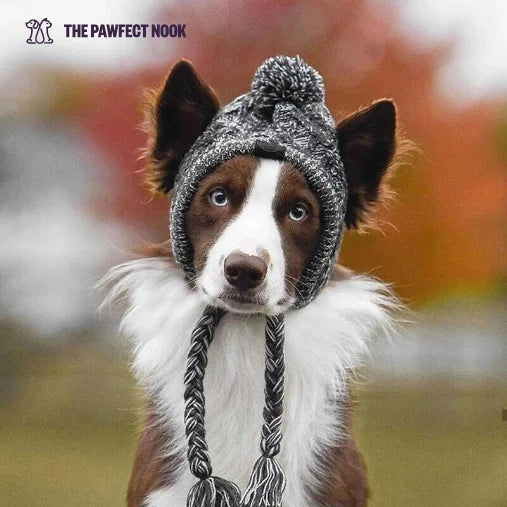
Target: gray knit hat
[283, 117]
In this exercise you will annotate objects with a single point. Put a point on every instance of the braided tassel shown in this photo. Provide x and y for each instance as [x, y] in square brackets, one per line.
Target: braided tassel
[267, 482]
[213, 492]
[209, 491]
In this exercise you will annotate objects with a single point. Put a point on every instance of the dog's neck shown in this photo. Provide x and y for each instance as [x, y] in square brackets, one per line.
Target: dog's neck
[324, 342]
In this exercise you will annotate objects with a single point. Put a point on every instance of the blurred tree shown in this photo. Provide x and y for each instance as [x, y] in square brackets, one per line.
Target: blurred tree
[447, 221]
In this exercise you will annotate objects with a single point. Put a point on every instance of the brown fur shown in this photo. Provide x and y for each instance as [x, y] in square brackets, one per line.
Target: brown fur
[346, 484]
[175, 115]
[299, 238]
[372, 149]
[161, 250]
[152, 468]
[205, 221]
[341, 273]
[368, 216]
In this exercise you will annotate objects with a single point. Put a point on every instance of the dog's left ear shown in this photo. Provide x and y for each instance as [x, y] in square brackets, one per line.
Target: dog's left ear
[177, 115]
[367, 142]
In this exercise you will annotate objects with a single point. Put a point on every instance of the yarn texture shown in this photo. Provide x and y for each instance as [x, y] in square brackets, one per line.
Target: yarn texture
[276, 82]
[284, 114]
[283, 117]
[267, 482]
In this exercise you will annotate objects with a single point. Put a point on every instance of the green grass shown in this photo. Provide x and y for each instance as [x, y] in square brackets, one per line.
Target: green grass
[435, 445]
[68, 419]
[68, 425]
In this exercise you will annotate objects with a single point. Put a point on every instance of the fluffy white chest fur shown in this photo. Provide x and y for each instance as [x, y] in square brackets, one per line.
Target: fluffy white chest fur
[324, 342]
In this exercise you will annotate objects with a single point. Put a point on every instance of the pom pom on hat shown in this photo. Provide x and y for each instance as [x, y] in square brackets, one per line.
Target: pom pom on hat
[286, 79]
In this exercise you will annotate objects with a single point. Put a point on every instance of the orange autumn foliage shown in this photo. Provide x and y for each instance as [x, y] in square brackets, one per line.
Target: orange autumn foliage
[444, 229]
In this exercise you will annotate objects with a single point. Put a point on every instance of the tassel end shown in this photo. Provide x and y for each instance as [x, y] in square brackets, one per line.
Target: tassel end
[266, 485]
[214, 492]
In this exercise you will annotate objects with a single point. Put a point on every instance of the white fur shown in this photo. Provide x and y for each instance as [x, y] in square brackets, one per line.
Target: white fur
[253, 230]
[324, 342]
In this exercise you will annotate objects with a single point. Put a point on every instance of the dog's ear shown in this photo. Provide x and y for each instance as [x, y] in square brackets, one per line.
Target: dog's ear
[367, 142]
[176, 115]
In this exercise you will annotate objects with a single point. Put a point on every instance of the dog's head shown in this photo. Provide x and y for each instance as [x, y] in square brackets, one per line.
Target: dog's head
[254, 223]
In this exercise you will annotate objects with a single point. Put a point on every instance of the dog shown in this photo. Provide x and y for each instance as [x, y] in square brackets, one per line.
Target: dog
[253, 224]
[39, 31]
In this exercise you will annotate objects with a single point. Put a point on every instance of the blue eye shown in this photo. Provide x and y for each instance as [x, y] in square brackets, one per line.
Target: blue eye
[298, 212]
[219, 197]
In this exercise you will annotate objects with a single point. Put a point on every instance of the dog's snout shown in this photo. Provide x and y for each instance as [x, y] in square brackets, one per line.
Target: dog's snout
[244, 271]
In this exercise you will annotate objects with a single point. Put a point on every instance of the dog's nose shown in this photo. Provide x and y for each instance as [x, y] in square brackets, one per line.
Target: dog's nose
[244, 271]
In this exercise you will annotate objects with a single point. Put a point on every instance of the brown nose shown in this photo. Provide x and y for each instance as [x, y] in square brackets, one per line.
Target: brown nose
[244, 271]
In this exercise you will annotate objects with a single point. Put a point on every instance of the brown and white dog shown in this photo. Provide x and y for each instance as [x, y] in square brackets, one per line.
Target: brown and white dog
[253, 224]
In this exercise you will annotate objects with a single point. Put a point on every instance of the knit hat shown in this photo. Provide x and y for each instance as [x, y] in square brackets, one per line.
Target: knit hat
[283, 117]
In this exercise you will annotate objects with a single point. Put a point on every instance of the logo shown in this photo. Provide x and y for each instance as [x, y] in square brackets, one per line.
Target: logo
[39, 31]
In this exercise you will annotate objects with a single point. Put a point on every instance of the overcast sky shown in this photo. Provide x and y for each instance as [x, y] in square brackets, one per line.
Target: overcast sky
[478, 65]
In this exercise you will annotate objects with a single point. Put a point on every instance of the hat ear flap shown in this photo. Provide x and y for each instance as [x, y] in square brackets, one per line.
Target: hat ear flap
[367, 142]
[177, 115]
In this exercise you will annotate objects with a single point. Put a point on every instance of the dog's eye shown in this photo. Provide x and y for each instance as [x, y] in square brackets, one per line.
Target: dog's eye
[218, 197]
[298, 212]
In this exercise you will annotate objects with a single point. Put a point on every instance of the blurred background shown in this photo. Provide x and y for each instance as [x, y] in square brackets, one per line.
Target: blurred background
[429, 412]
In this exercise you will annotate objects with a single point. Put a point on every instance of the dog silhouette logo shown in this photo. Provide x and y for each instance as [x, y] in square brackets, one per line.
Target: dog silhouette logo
[39, 31]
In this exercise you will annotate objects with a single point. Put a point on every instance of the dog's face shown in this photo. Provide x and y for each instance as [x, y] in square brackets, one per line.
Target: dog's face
[254, 223]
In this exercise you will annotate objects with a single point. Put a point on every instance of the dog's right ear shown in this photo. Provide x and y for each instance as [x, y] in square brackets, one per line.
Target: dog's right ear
[367, 143]
[177, 115]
